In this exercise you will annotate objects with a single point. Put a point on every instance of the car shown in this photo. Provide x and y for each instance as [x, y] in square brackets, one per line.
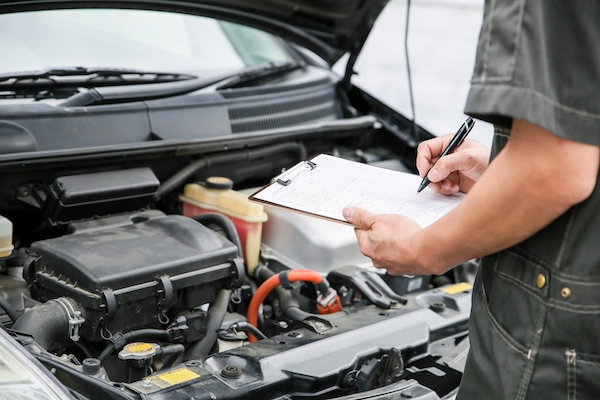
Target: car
[133, 265]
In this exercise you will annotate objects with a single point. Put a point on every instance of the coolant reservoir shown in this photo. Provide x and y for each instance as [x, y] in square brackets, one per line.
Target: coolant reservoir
[216, 195]
[6, 245]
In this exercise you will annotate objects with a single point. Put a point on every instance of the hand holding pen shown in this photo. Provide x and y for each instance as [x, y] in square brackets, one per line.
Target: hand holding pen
[456, 141]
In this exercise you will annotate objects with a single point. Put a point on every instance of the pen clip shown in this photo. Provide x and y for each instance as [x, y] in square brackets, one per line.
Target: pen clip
[468, 125]
[298, 169]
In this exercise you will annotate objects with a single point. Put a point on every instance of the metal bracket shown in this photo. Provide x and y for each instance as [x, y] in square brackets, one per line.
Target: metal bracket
[75, 318]
[74, 323]
[32, 194]
[368, 283]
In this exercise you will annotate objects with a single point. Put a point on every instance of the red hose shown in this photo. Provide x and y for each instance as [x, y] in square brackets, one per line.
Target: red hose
[270, 284]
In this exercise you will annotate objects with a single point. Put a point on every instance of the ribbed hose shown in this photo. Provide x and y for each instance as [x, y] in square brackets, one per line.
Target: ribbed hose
[235, 156]
[270, 284]
[216, 316]
[49, 322]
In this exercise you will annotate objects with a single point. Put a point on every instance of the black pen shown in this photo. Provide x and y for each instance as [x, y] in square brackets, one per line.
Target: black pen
[456, 141]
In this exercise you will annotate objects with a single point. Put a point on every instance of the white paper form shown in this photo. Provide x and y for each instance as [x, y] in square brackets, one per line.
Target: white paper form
[336, 183]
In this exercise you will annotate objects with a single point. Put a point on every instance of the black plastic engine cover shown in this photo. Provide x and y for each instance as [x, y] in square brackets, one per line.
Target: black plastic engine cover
[128, 277]
[80, 197]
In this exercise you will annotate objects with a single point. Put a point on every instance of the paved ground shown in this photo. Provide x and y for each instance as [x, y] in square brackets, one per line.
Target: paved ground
[441, 43]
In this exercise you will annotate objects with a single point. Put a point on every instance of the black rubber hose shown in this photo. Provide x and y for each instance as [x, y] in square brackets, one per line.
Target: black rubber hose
[216, 315]
[5, 305]
[83, 349]
[170, 354]
[121, 341]
[262, 273]
[288, 305]
[242, 155]
[48, 322]
[291, 309]
[246, 327]
[224, 223]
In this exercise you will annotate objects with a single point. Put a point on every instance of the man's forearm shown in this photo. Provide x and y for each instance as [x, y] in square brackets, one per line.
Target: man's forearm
[535, 179]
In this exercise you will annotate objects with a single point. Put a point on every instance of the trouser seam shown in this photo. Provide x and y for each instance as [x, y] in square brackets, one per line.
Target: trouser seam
[572, 308]
[520, 284]
[532, 354]
[498, 328]
[571, 357]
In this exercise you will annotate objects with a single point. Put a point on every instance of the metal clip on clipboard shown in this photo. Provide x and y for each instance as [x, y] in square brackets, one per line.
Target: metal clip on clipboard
[285, 178]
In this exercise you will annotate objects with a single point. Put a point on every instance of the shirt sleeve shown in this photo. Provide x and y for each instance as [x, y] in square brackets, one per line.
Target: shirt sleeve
[539, 61]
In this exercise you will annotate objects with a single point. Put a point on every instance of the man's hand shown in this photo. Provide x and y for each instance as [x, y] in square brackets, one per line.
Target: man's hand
[455, 172]
[387, 240]
[535, 178]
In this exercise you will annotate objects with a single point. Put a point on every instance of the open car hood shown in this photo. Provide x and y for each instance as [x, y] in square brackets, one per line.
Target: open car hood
[330, 28]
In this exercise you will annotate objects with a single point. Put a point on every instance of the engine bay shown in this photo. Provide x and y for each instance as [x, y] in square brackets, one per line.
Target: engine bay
[132, 265]
[146, 275]
[145, 304]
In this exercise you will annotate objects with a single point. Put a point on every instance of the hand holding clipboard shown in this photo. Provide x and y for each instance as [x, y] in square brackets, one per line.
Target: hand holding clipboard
[322, 186]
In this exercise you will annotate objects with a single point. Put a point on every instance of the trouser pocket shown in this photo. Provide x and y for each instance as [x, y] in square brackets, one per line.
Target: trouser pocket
[583, 374]
[496, 362]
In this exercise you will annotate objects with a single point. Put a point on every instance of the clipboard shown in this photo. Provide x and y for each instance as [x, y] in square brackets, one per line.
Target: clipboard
[323, 185]
[285, 178]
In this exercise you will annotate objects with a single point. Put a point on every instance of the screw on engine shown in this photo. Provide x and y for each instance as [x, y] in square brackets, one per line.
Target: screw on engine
[231, 371]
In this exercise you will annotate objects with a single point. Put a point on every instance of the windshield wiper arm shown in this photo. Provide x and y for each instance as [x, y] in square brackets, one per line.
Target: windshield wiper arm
[85, 77]
[267, 71]
[109, 95]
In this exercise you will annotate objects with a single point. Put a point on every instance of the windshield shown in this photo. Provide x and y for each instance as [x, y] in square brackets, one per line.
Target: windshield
[135, 39]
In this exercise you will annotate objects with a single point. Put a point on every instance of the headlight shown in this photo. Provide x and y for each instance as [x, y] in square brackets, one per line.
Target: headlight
[22, 377]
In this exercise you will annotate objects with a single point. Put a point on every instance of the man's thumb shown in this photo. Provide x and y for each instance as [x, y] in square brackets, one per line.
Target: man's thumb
[358, 217]
[444, 167]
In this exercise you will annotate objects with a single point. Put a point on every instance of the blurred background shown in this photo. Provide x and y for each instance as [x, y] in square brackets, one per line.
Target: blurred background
[442, 39]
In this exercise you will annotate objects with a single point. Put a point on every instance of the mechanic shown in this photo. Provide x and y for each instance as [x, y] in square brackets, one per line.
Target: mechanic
[533, 212]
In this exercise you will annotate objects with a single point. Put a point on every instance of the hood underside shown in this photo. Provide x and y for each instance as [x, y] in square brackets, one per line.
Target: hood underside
[330, 28]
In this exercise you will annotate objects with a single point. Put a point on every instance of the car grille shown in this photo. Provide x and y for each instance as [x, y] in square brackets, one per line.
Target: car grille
[278, 114]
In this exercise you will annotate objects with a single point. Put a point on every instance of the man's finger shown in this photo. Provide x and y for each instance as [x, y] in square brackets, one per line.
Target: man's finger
[445, 166]
[358, 217]
[428, 151]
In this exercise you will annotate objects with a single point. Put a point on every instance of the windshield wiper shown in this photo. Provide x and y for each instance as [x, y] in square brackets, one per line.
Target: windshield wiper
[51, 78]
[267, 71]
[110, 95]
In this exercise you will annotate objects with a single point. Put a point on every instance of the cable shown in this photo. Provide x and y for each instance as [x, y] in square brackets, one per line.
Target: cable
[410, 90]
[274, 281]
[246, 327]
[224, 223]
[121, 341]
[216, 315]
[242, 155]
